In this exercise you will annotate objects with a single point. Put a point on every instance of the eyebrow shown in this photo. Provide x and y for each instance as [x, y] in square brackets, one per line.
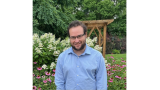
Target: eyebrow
[77, 35]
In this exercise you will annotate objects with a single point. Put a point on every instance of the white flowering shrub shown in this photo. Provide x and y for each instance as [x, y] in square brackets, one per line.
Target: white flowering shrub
[46, 48]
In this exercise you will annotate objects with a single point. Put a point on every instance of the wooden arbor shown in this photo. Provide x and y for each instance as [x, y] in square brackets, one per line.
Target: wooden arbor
[99, 24]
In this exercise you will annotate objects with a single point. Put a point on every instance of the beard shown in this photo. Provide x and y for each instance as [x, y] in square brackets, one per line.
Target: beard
[81, 48]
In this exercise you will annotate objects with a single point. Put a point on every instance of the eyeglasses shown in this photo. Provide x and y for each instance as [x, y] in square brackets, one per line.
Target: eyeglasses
[78, 37]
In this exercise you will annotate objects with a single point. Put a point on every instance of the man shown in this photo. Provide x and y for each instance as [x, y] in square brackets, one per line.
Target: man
[80, 67]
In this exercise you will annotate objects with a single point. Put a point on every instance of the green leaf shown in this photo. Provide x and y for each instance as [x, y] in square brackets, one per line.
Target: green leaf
[36, 56]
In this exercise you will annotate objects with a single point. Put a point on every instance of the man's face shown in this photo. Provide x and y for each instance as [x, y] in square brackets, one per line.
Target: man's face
[80, 42]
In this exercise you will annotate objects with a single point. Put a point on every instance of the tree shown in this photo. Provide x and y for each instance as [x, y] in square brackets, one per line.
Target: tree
[105, 9]
[52, 16]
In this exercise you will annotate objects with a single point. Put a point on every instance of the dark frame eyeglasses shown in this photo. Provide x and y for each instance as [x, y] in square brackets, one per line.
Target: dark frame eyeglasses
[78, 37]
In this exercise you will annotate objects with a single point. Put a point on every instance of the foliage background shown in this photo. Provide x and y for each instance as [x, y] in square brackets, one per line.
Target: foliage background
[54, 16]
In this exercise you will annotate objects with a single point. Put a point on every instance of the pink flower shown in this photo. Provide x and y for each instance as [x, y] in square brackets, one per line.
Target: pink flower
[34, 87]
[39, 68]
[112, 57]
[121, 58]
[108, 71]
[53, 74]
[43, 76]
[47, 73]
[39, 88]
[124, 77]
[109, 74]
[110, 81]
[117, 65]
[108, 68]
[111, 78]
[112, 66]
[35, 62]
[54, 70]
[124, 65]
[38, 77]
[113, 60]
[121, 67]
[113, 70]
[45, 81]
[123, 61]
[48, 79]
[118, 77]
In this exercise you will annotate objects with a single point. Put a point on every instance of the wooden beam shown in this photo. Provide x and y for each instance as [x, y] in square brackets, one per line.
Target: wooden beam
[96, 33]
[91, 31]
[104, 40]
[108, 21]
[99, 39]
[89, 26]
[99, 31]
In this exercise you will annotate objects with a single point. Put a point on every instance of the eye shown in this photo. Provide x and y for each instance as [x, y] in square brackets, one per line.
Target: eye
[78, 36]
[74, 37]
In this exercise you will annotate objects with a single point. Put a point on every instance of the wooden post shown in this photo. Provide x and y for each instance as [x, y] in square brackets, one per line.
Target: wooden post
[104, 40]
[99, 40]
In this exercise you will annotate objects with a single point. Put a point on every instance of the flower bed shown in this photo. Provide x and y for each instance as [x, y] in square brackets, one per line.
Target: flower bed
[116, 72]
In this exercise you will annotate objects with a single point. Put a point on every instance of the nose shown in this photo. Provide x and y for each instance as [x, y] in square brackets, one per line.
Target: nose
[76, 40]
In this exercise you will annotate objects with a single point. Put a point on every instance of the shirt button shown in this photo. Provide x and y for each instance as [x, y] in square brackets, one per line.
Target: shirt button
[77, 75]
[78, 57]
[77, 84]
[77, 66]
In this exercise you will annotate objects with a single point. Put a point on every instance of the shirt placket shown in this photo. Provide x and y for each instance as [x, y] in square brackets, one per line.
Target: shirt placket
[78, 72]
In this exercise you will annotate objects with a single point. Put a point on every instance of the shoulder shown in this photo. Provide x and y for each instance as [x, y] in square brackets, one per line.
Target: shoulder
[64, 53]
[94, 51]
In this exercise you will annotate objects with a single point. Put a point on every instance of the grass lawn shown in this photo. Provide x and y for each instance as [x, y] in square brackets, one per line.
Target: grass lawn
[116, 56]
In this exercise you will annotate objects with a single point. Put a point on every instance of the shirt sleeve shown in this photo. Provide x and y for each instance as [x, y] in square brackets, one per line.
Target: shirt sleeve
[101, 75]
[59, 78]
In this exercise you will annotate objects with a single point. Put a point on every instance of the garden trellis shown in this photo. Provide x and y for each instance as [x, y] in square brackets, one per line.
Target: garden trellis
[99, 24]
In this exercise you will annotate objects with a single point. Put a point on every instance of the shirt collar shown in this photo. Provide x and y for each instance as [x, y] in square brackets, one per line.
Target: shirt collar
[87, 50]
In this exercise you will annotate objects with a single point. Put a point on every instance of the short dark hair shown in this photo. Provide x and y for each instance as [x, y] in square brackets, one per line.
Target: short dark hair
[75, 24]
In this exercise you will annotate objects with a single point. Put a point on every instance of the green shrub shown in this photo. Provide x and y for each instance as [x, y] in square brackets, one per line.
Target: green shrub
[114, 51]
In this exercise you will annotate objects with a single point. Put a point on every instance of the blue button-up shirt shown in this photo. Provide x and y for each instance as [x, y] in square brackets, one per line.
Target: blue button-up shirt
[84, 72]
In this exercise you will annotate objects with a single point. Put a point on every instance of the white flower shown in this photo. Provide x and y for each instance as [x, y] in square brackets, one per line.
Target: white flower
[56, 59]
[95, 40]
[53, 64]
[35, 36]
[98, 48]
[44, 66]
[50, 46]
[56, 53]
[54, 48]
[108, 64]
[43, 36]
[38, 40]
[56, 42]
[52, 39]
[51, 67]
[105, 61]
[38, 50]
[40, 45]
